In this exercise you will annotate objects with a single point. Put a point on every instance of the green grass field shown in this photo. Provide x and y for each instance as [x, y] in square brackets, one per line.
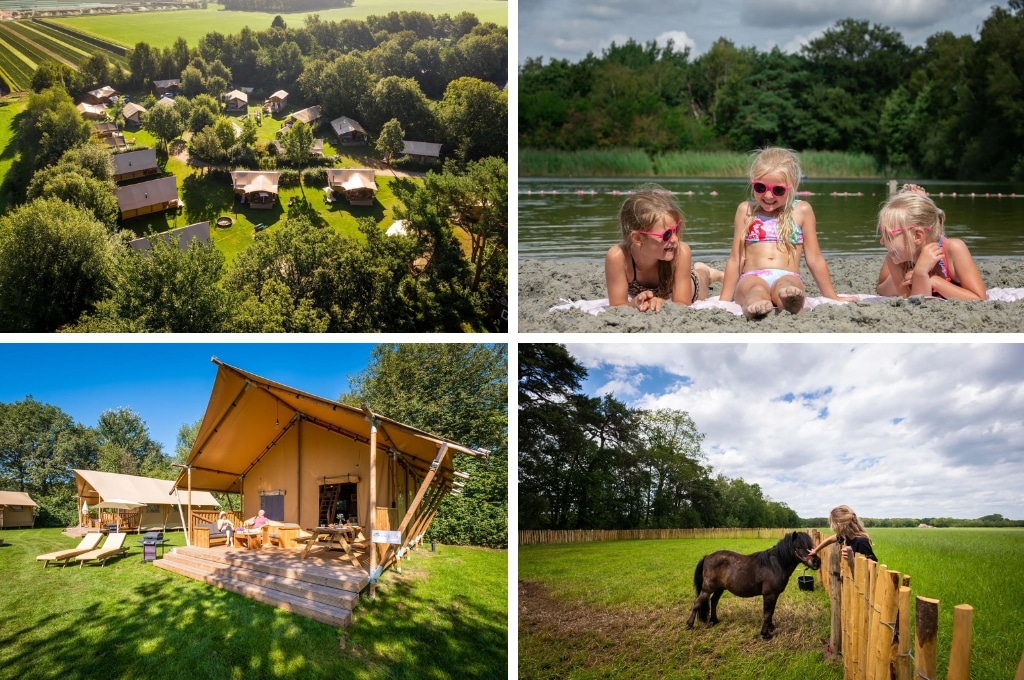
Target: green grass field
[9, 110]
[161, 29]
[445, 616]
[619, 609]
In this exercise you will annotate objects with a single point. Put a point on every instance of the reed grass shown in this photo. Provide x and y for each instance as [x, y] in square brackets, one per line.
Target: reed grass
[723, 164]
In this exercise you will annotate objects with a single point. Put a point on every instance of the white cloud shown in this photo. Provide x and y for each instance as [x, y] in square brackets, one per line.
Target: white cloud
[893, 430]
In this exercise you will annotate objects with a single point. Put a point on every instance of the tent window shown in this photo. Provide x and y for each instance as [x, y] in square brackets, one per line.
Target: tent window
[273, 506]
[152, 508]
[16, 508]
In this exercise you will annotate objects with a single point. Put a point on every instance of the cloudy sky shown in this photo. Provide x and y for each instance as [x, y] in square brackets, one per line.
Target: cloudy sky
[569, 29]
[168, 385]
[893, 430]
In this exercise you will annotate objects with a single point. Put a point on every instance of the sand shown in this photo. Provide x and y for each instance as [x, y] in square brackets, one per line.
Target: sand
[544, 283]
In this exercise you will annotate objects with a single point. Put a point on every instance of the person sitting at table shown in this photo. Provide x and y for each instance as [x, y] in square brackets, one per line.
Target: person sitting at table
[258, 521]
[225, 525]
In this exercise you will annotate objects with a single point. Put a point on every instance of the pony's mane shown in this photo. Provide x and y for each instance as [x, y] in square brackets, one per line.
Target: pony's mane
[785, 549]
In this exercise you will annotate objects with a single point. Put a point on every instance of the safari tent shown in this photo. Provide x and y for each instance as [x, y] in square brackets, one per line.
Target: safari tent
[135, 164]
[348, 131]
[305, 459]
[236, 100]
[164, 86]
[92, 111]
[307, 116]
[132, 113]
[158, 502]
[16, 510]
[358, 185]
[102, 95]
[423, 152]
[257, 189]
[148, 197]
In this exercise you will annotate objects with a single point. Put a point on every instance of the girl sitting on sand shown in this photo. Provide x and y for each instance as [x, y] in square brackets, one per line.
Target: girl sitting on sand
[772, 231]
[651, 265]
[920, 260]
[850, 534]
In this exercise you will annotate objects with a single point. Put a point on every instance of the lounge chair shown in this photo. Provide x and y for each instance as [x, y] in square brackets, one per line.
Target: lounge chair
[88, 542]
[114, 545]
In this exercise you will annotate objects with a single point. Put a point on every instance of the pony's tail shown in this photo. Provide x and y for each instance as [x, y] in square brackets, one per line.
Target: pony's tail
[698, 584]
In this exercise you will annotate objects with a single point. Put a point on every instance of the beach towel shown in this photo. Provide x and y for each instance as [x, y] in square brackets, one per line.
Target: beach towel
[595, 307]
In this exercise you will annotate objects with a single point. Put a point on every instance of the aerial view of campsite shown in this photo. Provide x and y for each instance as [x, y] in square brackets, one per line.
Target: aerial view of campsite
[254, 166]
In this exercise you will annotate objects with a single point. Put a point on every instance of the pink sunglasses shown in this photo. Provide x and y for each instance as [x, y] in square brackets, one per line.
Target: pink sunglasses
[666, 235]
[777, 189]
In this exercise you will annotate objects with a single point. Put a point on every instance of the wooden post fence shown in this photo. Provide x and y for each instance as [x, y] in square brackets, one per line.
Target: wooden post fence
[874, 633]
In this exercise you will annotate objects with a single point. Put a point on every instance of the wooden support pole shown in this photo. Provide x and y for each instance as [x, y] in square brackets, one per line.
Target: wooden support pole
[887, 608]
[925, 647]
[373, 501]
[849, 592]
[960, 649]
[903, 669]
[875, 623]
[862, 578]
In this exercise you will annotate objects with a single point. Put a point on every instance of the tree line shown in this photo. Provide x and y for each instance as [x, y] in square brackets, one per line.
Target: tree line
[595, 463]
[456, 391]
[949, 109]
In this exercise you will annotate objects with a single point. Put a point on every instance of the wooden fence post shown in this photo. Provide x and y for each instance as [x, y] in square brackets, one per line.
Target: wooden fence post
[927, 637]
[875, 623]
[903, 669]
[849, 593]
[960, 649]
[887, 606]
[835, 596]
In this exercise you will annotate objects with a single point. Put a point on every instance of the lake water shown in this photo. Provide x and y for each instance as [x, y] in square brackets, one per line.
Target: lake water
[577, 218]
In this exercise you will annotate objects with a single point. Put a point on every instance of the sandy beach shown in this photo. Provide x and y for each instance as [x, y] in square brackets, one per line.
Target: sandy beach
[545, 283]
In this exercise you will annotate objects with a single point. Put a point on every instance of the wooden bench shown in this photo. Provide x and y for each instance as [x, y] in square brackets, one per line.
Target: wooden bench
[283, 535]
[206, 535]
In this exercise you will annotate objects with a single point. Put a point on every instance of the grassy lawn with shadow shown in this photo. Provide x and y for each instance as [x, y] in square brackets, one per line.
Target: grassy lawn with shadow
[445, 616]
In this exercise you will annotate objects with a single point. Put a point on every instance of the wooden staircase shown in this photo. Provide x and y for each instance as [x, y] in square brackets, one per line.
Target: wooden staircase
[310, 588]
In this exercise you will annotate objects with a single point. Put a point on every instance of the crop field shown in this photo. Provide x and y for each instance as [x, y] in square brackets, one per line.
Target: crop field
[618, 609]
[68, 47]
[161, 29]
[15, 71]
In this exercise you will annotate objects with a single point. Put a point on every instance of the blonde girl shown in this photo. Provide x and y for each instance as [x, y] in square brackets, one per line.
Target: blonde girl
[920, 259]
[849, 532]
[651, 265]
[773, 230]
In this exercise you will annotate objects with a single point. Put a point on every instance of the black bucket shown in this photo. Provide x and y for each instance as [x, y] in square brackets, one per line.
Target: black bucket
[805, 582]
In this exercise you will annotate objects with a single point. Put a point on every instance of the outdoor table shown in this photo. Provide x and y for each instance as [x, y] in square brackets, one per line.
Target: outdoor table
[335, 538]
[249, 538]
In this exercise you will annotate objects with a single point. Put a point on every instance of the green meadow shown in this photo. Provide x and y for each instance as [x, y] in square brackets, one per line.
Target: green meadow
[619, 609]
[161, 29]
[445, 616]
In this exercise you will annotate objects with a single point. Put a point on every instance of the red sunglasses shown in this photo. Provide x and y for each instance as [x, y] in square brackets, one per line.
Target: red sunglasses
[666, 235]
[777, 189]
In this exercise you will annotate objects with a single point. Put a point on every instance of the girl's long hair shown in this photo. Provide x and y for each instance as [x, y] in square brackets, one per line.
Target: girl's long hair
[640, 212]
[908, 210]
[775, 159]
[845, 523]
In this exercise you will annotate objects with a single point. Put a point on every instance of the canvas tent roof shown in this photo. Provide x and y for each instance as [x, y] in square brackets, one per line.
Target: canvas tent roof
[134, 161]
[345, 124]
[16, 498]
[250, 181]
[421, 148]
[237, 94]
[352, 178]
[246, 414]
[97, 110]
[104, 92]
[135, 196]
[164, 84]
[307, 115]
[279, 95]
[131, 108]
[110, 485]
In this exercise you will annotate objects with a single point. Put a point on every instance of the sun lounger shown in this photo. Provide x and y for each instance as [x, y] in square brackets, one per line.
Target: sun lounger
[88, 542]
[114, 545]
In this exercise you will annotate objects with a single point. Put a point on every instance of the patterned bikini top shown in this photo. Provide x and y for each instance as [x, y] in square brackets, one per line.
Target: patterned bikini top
[765, 229]
[635, 287]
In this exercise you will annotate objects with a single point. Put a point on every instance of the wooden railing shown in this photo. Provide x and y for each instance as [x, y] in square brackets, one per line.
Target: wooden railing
[549, 537]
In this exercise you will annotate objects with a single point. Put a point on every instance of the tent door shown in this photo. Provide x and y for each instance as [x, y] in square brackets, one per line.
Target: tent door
[336, 499]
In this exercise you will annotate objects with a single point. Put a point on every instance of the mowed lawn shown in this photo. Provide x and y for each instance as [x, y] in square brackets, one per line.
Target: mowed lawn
[9, 110]
[619, 609]
[445, 616]
[161, 29]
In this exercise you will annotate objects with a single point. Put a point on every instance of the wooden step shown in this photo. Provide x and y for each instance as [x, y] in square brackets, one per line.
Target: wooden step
[325, 613]
[327, 594]
[308, 571]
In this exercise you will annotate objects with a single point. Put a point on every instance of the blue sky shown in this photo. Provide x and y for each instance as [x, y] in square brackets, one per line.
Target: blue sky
[168, 385]
[922, 429]
[568, 29]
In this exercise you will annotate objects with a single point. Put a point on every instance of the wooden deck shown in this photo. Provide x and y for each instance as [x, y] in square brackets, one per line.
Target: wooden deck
[323, 586]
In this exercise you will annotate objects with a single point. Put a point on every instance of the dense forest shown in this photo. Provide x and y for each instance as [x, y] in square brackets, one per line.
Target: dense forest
[435, 78]
[950, 109]
[457, 391]
[594, 463]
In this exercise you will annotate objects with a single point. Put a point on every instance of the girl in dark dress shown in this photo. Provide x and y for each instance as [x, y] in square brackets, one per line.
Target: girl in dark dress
[849, 532]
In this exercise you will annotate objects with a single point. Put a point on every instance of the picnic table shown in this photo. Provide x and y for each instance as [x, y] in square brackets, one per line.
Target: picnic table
[336, 537]
[249, 538]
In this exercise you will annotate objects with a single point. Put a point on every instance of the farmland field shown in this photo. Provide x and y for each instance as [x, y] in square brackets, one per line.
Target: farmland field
[618, 609]
[161, 29]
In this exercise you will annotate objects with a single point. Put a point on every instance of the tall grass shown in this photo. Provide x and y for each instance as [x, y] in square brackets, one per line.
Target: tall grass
[444, 617]
[618, 609]
[726, 164]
